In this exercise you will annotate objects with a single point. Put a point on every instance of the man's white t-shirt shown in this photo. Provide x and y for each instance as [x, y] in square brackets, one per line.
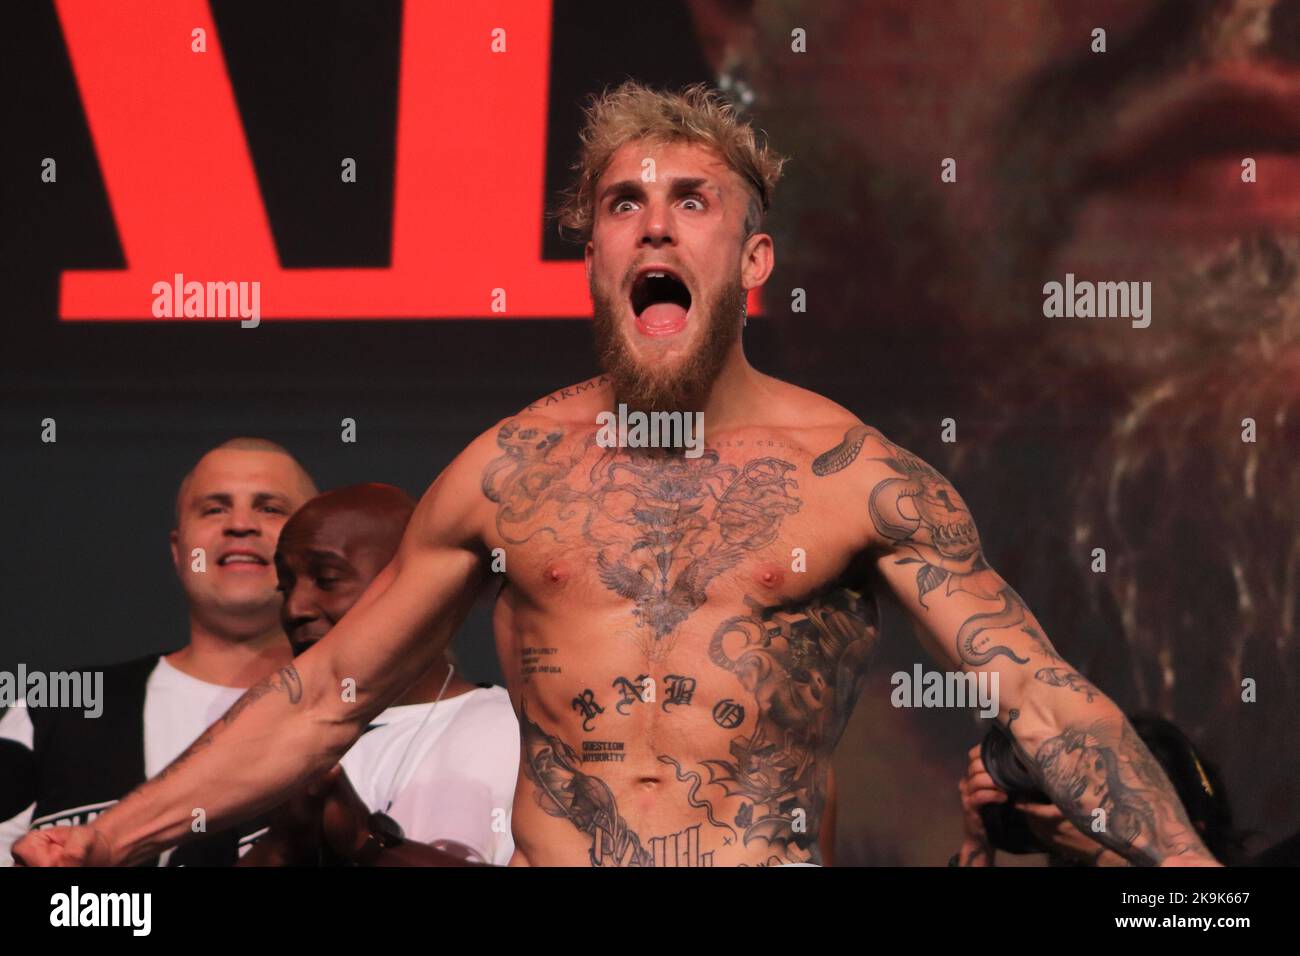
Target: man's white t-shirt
[17, 726]
[445, 793]
[444, 771]
[177, 708]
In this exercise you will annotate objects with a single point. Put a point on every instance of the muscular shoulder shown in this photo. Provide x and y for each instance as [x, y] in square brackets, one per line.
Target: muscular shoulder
[908, 500]
[464, 496]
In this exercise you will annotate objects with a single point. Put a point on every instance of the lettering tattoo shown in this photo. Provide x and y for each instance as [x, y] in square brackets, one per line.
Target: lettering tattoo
[662, 526]
[585, 704]
[564, 791]
[556, 397]
[532, 658]
[1083, 770]
[602, 751]
[728, 714]
[678, 691]
[630, 692]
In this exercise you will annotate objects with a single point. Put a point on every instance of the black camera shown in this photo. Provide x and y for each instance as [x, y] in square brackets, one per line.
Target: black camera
[1007, 829]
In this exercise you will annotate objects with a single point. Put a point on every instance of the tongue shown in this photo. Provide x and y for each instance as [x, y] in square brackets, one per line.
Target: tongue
[662, 318]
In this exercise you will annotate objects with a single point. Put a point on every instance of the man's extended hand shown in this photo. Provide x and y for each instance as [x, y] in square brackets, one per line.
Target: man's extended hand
[63, 846]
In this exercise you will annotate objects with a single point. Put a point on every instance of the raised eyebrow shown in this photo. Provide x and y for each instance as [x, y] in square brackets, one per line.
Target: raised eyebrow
[623, 186]
[677, 187]
[693, 184]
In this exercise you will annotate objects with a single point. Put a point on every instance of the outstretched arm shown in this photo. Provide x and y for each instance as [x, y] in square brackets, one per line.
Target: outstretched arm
[1072, 737]
[296, 723]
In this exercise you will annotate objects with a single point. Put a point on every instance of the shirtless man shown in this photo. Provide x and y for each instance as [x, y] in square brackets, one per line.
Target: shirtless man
[684, 635]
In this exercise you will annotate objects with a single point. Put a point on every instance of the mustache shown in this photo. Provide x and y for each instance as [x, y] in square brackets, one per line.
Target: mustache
[686, 385]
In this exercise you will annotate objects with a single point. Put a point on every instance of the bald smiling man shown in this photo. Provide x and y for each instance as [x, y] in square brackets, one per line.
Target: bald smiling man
[230, 508]
[431, 781]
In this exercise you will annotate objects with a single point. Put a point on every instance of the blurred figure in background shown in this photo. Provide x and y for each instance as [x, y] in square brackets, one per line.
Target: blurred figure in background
[432, 781]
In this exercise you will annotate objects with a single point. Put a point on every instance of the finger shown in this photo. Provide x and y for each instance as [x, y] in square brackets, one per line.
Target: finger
[984, 797]
[1042, 811]
[32, 849]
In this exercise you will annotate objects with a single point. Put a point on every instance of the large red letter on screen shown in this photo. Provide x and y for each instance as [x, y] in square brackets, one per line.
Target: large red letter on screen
[468, 188]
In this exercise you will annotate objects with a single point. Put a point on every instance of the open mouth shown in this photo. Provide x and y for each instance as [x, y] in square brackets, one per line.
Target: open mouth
[660, 301]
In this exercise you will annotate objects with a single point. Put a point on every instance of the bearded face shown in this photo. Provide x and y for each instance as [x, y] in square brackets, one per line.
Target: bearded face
[653, 381]
[669, 263]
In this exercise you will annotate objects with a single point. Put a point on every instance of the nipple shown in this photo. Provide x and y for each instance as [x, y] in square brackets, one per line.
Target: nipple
[770, 576]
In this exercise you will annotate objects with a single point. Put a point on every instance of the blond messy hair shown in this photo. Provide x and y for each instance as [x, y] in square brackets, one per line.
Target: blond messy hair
[696, 115]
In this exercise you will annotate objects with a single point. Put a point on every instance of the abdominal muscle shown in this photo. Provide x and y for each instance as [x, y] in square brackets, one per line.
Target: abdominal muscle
[666, 792]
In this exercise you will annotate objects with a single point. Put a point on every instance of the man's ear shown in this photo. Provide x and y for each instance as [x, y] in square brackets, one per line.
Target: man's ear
[757, 259]
[174, 540]
[588, 253]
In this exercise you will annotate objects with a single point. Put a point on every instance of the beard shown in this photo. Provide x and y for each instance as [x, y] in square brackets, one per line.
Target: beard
[683, 386]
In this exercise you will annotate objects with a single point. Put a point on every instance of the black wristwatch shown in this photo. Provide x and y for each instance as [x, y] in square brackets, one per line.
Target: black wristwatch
[385, 833]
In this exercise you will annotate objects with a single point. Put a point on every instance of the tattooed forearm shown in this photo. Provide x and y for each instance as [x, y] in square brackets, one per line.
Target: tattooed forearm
[1063, 677]
[287, 680]
[1042, 645]
[975, 648]
[1108, 785]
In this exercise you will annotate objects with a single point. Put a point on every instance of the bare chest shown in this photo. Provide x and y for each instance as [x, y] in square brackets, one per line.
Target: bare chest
[665, 535]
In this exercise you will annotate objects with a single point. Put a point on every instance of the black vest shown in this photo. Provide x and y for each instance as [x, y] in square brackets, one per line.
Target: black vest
[82, 766]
